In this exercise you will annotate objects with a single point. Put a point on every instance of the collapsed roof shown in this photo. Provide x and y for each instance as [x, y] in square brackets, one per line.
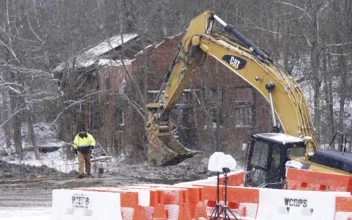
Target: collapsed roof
[109, 52]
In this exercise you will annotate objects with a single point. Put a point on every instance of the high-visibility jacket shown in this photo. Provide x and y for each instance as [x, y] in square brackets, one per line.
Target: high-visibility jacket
[276, 160]
[83, 142]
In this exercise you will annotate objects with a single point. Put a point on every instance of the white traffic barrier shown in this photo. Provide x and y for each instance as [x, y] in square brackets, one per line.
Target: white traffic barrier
[85, 205]
[275, 204]
[143, 197]
[343, 216]
[212, 180]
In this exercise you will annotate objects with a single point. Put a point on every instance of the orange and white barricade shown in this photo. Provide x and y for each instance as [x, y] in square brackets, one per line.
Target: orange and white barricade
[196, 200]
[134, 202]
[317, 181]
[181, 202]
[242, 201]
[343, 208]
[85, 205]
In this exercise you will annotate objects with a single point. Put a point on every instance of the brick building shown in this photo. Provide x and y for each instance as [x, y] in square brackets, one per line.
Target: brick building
[218, 112]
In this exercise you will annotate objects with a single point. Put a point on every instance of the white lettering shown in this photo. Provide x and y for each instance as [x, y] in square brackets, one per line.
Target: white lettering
[235, 62]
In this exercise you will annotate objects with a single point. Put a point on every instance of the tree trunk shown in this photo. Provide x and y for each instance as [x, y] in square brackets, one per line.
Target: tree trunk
[342, 91]
[316, 88]
[32, 136]
[17, 123]
[328, 99]
[4, 118]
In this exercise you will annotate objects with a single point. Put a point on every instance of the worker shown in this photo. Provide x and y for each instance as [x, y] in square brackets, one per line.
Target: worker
[275, 163]
[83, 145]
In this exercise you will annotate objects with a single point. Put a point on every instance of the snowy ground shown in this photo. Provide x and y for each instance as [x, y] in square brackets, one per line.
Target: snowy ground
[30, 196]
[26, 185]
[16, 213]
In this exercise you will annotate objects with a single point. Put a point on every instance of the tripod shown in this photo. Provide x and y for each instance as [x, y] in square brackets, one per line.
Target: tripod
[225, 210]
[216, 211]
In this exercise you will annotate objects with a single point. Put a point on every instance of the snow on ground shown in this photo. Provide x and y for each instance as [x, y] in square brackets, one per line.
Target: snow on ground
[22, 199]
[16, 213]
[57, 160]
[46, 138]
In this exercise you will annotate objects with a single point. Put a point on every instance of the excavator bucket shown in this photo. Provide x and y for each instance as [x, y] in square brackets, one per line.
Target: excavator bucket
[166, 150]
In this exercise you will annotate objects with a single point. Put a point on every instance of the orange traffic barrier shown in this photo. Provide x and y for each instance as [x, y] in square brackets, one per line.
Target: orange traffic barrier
[343, 204]
[343, 209]
[192, 197]
[177, 203]
[317, 181]
[244, 201]
[130, 200]
[234, 179]
[157, 201]
[196, 202]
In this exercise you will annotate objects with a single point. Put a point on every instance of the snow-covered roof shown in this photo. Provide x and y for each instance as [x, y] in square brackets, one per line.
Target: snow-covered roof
[109, 44]
[93, 55]
[152, 46]
[110, 62]
[279, 137]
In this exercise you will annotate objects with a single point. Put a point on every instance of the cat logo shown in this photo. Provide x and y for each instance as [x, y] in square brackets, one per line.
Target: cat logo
[235, 62]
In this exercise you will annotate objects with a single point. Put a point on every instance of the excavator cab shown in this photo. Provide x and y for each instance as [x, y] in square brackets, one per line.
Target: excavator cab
[267, 157]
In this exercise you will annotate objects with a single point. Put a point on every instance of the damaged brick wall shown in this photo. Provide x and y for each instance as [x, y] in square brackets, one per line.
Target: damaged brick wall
[217, 91]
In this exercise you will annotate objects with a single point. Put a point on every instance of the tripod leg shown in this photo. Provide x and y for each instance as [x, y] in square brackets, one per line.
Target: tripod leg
[215, 212]
[226, 214]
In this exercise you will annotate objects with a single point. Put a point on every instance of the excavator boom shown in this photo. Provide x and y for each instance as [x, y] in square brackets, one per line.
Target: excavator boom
[245, 60]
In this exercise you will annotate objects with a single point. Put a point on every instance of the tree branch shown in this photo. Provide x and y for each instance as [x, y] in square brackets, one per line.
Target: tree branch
[297, 7]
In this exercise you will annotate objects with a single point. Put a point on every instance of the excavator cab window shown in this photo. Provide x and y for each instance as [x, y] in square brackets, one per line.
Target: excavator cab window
[297, 150]
[266, 161]
[259, 162]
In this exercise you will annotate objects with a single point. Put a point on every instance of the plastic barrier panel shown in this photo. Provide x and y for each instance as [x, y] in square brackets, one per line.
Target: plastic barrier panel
[196, 202]
[234, 179]
[192, 197]
[209, 181]
[303, 205]
[132, 201]
[343, 208]
[317, 181]
[157, 210]
[243, 201]
[85, 205]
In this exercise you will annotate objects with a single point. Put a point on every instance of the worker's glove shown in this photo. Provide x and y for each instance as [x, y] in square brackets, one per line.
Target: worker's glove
[90, 149]
[75, 150]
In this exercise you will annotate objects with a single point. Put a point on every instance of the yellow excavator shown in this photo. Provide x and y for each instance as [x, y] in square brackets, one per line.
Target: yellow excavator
[269, 153]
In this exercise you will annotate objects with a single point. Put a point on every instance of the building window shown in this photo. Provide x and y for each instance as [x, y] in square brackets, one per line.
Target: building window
[181, 115]
[120, 112]
[120, 116]
[183, 101]
[243, 114]
[107, 84]
[95, 113]
[214, 104]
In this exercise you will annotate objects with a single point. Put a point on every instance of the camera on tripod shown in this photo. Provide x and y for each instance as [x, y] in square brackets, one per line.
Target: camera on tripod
[221, 163]
[226, 170]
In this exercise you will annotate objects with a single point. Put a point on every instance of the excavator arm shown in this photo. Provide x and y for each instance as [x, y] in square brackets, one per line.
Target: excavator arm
[244, 59]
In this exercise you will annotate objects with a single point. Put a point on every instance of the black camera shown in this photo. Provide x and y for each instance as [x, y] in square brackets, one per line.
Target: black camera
[225, 169]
